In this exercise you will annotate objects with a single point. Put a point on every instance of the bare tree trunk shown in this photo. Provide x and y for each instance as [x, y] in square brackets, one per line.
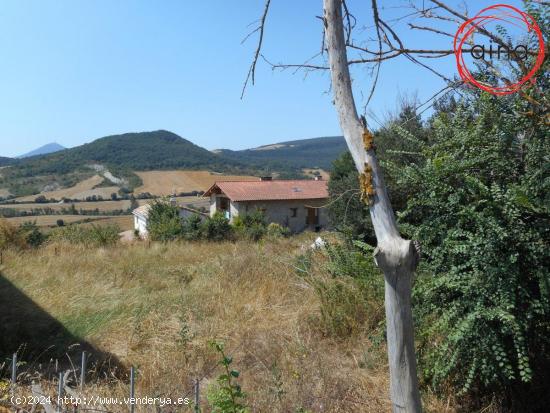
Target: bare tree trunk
[396, 256]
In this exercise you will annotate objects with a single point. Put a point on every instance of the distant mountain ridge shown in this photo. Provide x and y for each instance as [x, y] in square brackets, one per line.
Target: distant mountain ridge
[123, 155]
[300, 154]
[5, 161]
[165, 150]
[43, 150]
[140, 151]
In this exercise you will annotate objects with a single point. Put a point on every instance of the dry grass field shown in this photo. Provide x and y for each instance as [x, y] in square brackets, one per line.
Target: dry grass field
[79, 191]
[158, 307]
[51, 220]
[124, 222]
[102, 206]
[105, 206]
[165, 182]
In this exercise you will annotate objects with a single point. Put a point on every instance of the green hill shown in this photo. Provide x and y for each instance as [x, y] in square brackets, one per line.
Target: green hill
[134, 151]
[124, 154]
[5, 161]
[305, 153]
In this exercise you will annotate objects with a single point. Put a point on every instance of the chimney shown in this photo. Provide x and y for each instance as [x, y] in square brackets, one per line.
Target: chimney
[318, 178]
[266, 178]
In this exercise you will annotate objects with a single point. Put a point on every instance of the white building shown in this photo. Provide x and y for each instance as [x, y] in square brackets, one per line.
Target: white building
[296, 204]
[141, 217]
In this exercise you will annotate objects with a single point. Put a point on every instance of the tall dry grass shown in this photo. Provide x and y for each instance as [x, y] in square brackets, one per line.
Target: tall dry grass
[158, 307]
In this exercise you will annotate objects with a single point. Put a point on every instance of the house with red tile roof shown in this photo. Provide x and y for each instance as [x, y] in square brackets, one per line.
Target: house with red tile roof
[297, 204]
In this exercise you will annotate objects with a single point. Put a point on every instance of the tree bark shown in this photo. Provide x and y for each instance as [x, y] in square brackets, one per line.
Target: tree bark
[396, 256]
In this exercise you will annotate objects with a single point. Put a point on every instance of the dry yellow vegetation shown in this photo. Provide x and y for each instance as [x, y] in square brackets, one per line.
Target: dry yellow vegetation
[166, 182]
[157, 308]
[105, 206]
[80, 191]
[125, 222]
[50, 220]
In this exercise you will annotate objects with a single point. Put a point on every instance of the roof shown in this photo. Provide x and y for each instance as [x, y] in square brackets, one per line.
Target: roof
[270, 190]
[142, 211]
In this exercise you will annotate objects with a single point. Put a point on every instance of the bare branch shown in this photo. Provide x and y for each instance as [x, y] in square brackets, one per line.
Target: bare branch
[252, 71]
[376, 17]
[430, 29]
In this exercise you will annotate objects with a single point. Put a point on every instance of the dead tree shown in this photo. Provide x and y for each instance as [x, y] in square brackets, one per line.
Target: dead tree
[395, 256]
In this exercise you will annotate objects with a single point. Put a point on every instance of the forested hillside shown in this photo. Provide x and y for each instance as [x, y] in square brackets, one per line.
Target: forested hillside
[135, 151]
[305, 153]
[5, 161]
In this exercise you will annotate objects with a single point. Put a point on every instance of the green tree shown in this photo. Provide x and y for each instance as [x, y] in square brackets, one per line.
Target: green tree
[164, 222]
[192, 227]
[347, 213]
[217, 228]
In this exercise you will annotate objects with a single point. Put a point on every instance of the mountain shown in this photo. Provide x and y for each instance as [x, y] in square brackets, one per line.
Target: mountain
[305, 153]
[122, 155]
[5, 161]
[43, 150]
[131, 151]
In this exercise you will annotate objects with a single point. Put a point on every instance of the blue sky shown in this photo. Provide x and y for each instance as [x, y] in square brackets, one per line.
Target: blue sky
[74, 71]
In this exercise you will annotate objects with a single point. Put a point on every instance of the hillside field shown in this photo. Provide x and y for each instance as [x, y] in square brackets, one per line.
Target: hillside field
[81, 190]
[166, 182]
[125, 222]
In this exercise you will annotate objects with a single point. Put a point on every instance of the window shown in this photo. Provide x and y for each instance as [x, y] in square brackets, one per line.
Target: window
[293, 212]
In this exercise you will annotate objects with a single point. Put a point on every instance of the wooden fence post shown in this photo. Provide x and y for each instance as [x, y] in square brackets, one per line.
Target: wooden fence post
[132, 388]
[197, 396]
[13, 372]
[59, 391]
[83, 371]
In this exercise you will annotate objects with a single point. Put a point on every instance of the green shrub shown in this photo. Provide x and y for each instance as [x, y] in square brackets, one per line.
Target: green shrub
[192, 228]
[479, 206]
[217, 228]
[164, 222]
[97, 236]
[277, 231]
[252, 226]
[32, 235]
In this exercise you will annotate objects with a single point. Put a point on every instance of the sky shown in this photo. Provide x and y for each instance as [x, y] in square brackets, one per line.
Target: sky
[77, 70]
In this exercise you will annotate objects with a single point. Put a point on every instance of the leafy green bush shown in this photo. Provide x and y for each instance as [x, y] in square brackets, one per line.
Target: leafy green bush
[97, 236]
[164, 222]
[479, 206]
[217, 228]
[192, 228]
[32, 235]
[277, 231]
[346, 212]
[252, 226]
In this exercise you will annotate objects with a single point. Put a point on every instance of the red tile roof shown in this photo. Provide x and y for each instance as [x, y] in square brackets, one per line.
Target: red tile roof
[270, 190]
